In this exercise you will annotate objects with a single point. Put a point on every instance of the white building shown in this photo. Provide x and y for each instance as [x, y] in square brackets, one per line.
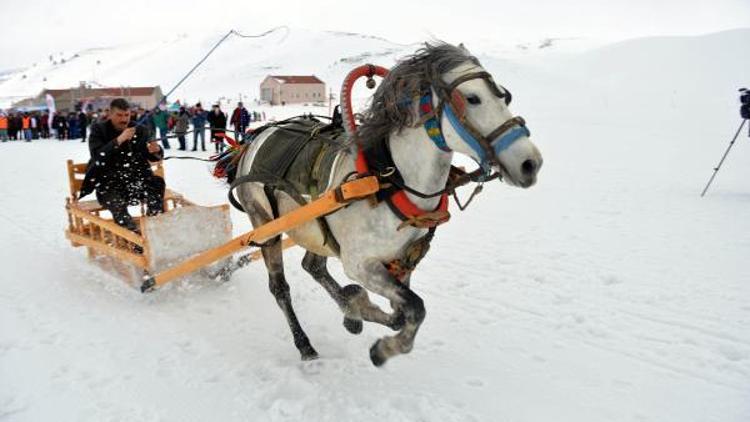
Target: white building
[292, 89]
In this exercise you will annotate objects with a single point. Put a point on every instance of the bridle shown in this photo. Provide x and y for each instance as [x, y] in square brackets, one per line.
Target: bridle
[452, 104]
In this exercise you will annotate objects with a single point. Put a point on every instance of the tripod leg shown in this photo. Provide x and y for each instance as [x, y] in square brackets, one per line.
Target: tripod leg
[716, 169]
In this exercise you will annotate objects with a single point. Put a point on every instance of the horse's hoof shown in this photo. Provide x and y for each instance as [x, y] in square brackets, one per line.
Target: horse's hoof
[376, 355]
[353, 326]
[308, 353]
[398, 321]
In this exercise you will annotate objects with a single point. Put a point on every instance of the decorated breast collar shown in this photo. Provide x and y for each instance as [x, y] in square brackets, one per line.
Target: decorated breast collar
[378, 161]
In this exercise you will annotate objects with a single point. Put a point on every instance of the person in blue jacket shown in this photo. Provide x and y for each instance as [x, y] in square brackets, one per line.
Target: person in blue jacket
[199, 126]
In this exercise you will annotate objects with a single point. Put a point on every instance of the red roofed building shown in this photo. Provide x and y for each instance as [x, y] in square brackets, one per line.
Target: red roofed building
[292, 89]
[67, 99]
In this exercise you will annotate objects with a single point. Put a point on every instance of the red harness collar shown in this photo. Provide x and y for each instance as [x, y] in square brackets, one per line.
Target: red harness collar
[403, 207]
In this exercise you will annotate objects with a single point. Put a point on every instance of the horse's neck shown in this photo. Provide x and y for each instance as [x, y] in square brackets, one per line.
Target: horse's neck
[423, 166]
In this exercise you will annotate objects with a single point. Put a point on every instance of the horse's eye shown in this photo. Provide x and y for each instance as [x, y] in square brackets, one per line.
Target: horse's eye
[473, 100]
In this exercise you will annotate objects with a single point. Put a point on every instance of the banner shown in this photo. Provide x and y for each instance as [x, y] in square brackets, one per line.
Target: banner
[51, 107]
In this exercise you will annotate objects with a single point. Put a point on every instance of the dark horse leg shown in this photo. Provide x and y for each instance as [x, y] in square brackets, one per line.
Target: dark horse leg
[274, 259]
[352, 299]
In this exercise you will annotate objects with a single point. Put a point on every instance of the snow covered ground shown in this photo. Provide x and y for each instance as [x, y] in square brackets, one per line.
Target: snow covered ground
[608, 292]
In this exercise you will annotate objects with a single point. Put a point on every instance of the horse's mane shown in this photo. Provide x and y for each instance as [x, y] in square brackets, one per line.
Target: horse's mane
[391, 107]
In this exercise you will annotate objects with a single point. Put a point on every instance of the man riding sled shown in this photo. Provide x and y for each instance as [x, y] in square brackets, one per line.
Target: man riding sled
[119, 169]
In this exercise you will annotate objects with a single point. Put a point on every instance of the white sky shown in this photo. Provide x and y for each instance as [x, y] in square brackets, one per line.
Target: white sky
[33, 29]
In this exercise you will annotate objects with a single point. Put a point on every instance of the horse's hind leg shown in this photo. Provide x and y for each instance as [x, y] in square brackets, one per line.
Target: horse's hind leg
[352, 299]
[273, 257]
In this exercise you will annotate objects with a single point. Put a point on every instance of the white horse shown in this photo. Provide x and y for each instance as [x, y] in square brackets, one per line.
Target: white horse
[463, 111]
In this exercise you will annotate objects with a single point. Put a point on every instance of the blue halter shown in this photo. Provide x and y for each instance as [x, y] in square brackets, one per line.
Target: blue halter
[503, 141]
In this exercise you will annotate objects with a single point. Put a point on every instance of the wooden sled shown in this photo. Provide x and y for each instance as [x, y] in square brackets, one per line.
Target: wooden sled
[150, 259]
[183, 230]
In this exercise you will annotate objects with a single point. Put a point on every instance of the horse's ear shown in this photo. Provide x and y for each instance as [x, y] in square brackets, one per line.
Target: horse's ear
[463, 48]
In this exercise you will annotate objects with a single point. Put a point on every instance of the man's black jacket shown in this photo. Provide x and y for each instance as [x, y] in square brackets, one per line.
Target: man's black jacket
[117, 167]
[217, 120]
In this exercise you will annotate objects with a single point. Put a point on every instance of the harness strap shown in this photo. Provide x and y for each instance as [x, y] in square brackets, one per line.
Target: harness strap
[270, 184]
[378, 160]
[431, 123]
[402, 268]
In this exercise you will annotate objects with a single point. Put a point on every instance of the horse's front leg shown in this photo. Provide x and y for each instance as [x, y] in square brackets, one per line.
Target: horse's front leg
[352, 299]
[375, 277]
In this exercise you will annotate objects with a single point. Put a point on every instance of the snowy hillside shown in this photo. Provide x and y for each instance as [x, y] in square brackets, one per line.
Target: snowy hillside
[608, 292]
[237, 67]
[240, 64]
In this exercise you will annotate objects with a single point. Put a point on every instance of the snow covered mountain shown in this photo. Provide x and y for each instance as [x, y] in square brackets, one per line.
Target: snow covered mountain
[239, 64]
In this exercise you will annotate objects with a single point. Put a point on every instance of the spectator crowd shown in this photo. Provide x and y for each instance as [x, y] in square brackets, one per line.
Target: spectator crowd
[162, 124]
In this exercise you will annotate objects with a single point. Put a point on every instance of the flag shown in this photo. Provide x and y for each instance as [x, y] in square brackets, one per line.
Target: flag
[51, 107]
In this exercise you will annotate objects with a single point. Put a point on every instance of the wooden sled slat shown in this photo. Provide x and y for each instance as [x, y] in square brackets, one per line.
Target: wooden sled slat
[136, 259]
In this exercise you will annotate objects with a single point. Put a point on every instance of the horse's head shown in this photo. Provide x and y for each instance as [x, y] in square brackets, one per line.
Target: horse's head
[462, 108]
[477, 122]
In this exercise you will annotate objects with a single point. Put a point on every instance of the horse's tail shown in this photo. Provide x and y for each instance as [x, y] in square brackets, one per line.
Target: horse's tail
[227, 161]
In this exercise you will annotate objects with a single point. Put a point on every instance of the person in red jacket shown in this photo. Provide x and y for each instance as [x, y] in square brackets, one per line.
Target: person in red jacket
[240, 120]
[3, 127]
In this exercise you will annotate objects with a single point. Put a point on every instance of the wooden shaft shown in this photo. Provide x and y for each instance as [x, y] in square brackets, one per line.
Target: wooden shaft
[331, 201]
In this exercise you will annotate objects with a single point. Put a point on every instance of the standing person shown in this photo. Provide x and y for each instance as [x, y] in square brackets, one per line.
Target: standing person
[61, 126]
[26, 126]
[160, 122]
[218, 122]
[83, 122]
[182, 122]
[103, 115]
[150, 123]
[199, 127]
[240, 119]
[72, 121]
[44, 125]
[3, 127]
[119, 169]
[34, 126]
[14, 125]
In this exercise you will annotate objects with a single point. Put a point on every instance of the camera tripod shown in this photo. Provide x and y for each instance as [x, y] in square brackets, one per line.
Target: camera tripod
[731, 144]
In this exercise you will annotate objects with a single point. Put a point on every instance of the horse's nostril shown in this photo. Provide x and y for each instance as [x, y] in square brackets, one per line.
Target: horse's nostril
[529, 167]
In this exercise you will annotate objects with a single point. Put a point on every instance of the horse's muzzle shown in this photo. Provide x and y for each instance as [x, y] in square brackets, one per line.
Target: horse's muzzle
[528, 172]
